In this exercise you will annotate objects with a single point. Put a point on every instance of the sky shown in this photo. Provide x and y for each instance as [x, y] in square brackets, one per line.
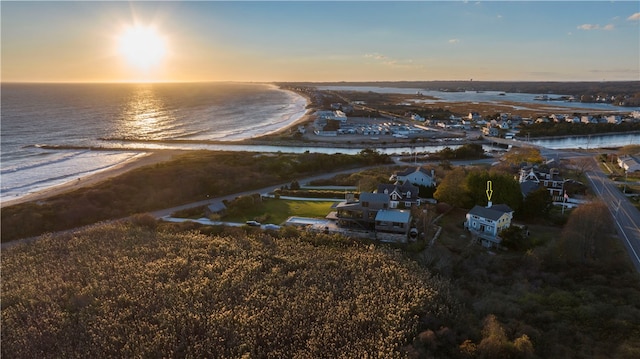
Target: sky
[321, 41]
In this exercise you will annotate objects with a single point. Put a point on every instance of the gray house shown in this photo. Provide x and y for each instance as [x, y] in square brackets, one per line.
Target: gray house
[393, 221]
[362, 213]
[485, 223]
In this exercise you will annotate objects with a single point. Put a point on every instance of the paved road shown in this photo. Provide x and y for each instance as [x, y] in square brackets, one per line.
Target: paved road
[626, 217]
[168, 211]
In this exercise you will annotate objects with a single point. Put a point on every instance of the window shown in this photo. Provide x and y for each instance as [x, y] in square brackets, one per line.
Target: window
[365, 204]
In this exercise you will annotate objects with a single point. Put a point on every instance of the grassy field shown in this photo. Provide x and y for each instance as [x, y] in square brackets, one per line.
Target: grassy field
[277, 211]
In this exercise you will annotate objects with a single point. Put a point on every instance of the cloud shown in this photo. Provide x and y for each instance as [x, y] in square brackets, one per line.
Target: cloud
[454, 41]
[396, 63]
[375, 56]
[634, 17]
[588, 27]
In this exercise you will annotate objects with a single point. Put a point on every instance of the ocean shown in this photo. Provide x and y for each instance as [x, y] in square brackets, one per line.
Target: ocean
[48, 130]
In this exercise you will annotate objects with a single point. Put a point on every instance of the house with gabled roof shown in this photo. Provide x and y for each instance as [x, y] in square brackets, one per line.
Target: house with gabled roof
[486, 223]
[532, 177]
[629, 163]
[418, 176]
[400, 195]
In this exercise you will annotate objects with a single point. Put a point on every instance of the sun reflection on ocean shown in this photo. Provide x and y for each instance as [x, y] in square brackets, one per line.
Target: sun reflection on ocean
[145, 116]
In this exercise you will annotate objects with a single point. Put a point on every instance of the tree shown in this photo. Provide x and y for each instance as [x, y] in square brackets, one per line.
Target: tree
[494, 339]
[582, 235]
[537, 204]
[496, 344]
[582, 164]
[505, 189]
[452, 189]
[518, 155]
[513, 238]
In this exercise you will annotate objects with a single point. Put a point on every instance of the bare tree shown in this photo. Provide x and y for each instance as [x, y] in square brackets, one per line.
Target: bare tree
[585, 230]
[581, 164]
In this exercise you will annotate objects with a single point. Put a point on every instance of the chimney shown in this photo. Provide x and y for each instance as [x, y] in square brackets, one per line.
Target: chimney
[489, 204]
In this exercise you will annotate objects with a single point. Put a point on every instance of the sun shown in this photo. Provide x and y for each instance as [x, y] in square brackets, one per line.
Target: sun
[142, 46]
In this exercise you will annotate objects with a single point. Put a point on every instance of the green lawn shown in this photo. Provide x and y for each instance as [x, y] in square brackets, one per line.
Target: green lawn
[277, 211]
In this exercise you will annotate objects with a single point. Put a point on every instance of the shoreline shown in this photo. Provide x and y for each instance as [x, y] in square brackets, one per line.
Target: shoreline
[146, 159]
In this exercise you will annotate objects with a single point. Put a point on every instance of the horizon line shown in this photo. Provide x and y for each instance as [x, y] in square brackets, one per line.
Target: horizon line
[302, 81]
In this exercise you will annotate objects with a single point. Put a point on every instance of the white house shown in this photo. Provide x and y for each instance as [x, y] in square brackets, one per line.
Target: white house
[487, 222]
[474, 116]
[332, 115]
[490, 131]
[418, 176]
[339, 116]
[417, 117]
[629, 163]
[549, 178]
[400, 193]
[615, 119]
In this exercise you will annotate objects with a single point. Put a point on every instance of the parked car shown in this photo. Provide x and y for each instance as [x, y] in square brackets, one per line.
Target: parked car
[271, 226]
[253, 223]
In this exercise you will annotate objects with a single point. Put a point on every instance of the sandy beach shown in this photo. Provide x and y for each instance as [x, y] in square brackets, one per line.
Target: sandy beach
[145, 159]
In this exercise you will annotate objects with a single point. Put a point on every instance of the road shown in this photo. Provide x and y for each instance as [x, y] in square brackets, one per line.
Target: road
[626, 217]
[168, 211]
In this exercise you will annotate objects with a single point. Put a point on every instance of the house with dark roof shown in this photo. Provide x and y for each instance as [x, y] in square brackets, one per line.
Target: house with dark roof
[393, 224]
[533, 177]
[418, 176]
[485, 223]
[372, 212]
[361, 213]
[400, 195]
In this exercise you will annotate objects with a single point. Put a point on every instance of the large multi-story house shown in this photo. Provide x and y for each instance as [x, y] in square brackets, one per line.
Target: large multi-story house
[372, 212]
[400, 195]
[533, 177]
[486, 223]
[361, 213]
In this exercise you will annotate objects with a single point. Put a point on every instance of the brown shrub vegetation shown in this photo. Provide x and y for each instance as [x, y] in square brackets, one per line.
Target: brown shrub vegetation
[121, 290]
